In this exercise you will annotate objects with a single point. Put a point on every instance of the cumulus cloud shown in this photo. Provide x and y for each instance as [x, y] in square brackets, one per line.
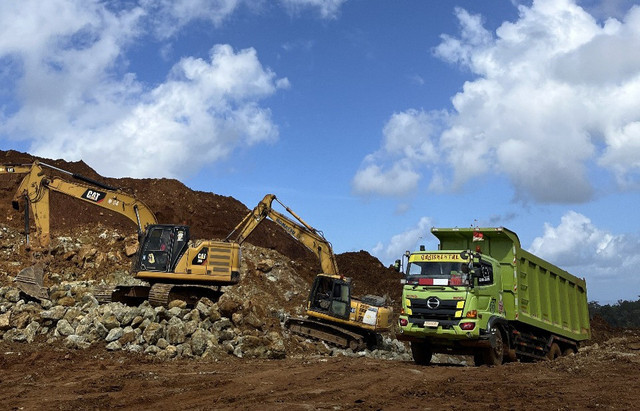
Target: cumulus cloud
[328, 9]
[399, 180]
[168, 16]
[408, 142]
[553, 96]
[606, 260]
[76, 101]
[399, 243]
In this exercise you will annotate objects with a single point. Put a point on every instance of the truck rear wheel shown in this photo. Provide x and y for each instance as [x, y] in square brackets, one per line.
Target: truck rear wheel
[421, 353]
[554, 352]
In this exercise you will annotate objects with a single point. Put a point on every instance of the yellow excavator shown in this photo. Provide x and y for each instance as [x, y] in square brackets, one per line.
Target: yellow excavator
[333, 314]
[172, 266]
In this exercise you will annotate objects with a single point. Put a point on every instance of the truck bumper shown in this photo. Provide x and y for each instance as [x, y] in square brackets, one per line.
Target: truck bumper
[453, 340]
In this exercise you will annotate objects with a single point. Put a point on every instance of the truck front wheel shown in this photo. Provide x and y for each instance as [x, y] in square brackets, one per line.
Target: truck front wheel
[495, 355]
[421, 353]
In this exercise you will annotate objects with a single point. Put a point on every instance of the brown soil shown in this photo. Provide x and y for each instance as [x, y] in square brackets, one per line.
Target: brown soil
[38, 376]
[604, 374]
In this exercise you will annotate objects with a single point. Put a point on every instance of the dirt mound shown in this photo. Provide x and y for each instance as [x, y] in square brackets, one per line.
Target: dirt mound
[601, 330]
[369, 276]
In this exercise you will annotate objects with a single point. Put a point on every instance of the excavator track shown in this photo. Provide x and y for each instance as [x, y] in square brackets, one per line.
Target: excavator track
[158, 294]
[104, 293]
[326, 332]
[127, 294]
[162, 294]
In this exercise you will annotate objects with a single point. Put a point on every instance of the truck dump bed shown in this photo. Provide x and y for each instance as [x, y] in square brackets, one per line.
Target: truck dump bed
[534, 291]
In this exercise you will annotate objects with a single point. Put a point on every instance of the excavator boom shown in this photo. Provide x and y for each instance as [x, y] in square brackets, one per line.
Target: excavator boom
[36, 186]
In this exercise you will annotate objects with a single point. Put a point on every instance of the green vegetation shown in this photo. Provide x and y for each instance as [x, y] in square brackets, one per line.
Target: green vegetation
[623, 314]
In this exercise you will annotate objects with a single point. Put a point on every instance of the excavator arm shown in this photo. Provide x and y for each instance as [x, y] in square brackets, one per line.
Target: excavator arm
[310, 237]
[36, 186]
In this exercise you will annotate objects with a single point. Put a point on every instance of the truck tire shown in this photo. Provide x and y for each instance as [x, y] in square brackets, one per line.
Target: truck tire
[568, 351]
[554, 352]
[421, 353]
[495, 355]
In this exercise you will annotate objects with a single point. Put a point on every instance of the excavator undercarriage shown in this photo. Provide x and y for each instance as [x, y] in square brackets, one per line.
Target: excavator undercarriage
[345, 337]
[158, 294]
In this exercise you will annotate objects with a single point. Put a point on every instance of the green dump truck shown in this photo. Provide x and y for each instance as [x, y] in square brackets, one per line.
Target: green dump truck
[481, 294]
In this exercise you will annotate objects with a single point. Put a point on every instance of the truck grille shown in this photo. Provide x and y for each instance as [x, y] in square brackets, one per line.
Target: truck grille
[434, 309]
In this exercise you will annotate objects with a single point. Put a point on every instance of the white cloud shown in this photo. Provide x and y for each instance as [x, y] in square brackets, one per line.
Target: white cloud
[167, 17]
[608, 261]
[555, 95]
[407, 145]
[401, 179]
[73, 103]
[399, 243]
[328, 9]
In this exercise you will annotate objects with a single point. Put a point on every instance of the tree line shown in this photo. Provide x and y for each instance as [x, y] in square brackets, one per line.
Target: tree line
[623, 314]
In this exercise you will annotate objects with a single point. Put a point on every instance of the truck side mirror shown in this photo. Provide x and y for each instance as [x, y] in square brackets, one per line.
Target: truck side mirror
[396, 265]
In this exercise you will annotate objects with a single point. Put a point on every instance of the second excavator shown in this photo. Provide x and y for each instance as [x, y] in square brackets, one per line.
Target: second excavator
[168, 262]
[332, 313]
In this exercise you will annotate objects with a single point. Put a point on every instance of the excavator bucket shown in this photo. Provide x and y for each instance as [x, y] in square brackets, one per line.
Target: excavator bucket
[30, 281]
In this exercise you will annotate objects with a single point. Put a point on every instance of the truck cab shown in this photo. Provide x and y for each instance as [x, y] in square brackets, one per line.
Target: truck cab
[448, 298]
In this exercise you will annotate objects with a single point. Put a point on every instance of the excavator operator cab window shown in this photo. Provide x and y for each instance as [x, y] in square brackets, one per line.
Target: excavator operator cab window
[330, 296]
[340, 304]
[156, 251]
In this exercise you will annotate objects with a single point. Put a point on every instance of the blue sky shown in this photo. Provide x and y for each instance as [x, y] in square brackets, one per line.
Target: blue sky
[373, 120]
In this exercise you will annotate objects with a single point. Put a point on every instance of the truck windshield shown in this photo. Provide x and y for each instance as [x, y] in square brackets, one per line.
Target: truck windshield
[438, 273]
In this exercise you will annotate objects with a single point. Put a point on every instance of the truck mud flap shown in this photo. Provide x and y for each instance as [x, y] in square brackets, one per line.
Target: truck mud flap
[31, 282]
[326, 332]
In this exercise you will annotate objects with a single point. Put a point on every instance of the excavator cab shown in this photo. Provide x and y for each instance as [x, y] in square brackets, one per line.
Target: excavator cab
[330, 295]
[162, 247]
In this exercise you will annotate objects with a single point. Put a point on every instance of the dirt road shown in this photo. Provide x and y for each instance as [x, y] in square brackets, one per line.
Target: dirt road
[38, 376]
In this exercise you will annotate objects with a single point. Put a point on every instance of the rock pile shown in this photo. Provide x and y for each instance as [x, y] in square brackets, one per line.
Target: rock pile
[207, 331]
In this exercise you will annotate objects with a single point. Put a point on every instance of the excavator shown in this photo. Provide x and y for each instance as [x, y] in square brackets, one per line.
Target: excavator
[332, 314]
[172, 266]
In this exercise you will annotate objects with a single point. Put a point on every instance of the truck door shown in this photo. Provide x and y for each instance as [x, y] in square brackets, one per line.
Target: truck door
[488, 287]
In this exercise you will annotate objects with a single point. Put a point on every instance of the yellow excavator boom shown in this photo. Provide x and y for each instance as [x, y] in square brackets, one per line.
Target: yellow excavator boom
[36, 186]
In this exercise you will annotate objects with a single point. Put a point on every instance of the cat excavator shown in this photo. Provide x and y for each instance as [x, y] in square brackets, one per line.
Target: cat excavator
[172, 266]
[332, 313]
